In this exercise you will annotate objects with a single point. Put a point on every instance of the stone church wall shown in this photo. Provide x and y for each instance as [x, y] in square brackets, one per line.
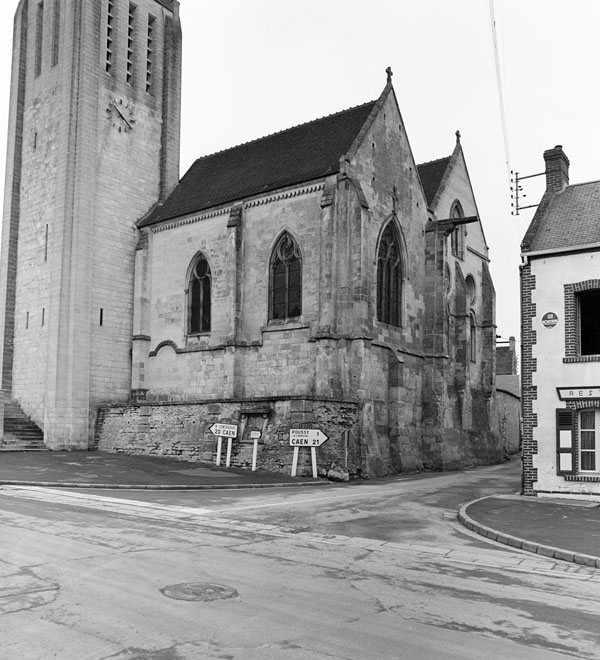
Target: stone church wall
[182, 430]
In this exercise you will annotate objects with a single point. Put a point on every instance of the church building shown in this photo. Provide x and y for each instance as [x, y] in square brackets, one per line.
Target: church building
[315, 278]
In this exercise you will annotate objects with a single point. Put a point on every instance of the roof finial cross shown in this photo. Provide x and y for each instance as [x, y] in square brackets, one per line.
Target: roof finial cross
[389, 74]
[457, 136]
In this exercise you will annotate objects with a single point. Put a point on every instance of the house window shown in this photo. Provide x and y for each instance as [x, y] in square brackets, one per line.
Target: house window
[588, 423]
[389, 277]
[582, 321]
[589, 322]
[199, 297]
[457, 238]
[285, 288]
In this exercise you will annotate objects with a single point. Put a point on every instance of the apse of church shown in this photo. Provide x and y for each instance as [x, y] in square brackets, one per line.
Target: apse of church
[300, 293]
[314, 278]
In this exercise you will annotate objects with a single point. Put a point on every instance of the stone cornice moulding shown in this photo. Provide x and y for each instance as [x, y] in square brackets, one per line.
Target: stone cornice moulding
[173, 224]
[307, 190]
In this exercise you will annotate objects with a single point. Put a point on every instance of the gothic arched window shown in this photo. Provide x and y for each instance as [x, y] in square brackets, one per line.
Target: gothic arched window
[285, 286]
[389, 277]
[458, 235]
[199, 294]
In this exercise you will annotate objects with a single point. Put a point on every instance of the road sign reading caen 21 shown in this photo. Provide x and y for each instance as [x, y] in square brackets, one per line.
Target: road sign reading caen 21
[307, 438]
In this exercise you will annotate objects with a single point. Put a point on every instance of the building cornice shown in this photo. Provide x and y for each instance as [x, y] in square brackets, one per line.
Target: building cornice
[188, 220]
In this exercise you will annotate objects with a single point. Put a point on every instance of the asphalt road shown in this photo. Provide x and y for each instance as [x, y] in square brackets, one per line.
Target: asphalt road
[371, 571]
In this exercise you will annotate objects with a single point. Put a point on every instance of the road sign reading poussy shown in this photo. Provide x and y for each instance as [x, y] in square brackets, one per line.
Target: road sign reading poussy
[307, 438]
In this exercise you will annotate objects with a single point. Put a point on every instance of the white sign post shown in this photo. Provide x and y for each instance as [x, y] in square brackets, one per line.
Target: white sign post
[312, 438]
[255, 435]
[228, 431]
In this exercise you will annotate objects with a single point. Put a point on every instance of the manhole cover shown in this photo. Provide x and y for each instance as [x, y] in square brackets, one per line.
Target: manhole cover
[198, 591]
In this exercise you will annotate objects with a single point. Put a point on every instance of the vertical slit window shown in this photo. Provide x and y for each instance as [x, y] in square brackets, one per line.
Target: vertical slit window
[55, 32]
[199, 297]
[389, 277]
[286, 280]
[458, 234]
[39, 38]
[150, 55]
[110, 24]
[46, 244]
[43, 315]
[130, 43]
[473, 338]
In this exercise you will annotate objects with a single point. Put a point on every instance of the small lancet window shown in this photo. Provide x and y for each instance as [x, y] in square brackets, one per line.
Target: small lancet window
[457, 238]
[473, 337]
[199, 297]
[55, 32]
[285, 279]
[389, 277]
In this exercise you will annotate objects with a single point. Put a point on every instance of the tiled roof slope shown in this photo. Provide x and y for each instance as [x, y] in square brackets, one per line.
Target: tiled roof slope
[302, 153]
[571, 218]
[431, 174]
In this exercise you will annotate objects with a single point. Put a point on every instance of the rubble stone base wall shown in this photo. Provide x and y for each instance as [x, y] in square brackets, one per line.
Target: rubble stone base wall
[182, 430]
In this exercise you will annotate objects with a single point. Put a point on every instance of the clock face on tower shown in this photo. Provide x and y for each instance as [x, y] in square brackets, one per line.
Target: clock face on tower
[120, 113]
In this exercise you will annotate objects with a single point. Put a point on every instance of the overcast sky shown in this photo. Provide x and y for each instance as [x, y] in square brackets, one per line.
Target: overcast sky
[253, 67]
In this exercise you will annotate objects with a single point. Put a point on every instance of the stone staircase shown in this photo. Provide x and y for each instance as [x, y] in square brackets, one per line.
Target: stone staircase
[20, 433]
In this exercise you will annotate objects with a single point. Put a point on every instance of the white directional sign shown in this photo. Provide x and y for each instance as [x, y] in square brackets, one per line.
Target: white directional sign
[307, 438]
[224, 430]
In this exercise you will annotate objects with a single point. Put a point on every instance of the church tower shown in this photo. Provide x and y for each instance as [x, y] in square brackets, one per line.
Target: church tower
[93, 144]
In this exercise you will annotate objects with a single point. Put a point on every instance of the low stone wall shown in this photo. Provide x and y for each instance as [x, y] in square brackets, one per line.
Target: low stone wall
[182, 430]
[508, 411]
[356, 442]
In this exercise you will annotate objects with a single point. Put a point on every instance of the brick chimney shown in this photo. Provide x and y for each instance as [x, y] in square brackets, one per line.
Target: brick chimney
[557, 169]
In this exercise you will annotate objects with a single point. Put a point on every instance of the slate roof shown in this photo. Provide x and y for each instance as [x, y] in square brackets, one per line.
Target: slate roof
[302, 153]
[571, 218]
[431, 174]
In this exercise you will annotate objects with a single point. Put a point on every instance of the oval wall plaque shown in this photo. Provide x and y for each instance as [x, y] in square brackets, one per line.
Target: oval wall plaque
[549, 320]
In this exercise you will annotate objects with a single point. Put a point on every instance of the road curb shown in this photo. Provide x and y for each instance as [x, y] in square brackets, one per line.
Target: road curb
[523, 544]
[63, 484]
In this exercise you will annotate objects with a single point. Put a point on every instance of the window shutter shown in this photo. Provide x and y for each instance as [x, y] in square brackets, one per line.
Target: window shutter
[565, 441]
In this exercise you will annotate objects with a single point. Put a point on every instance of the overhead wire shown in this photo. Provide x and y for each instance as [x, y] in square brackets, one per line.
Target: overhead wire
[499, 84]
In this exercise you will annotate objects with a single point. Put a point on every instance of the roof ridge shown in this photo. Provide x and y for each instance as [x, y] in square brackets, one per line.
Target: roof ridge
[582, 183]
[435, 160]
[284, 130]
